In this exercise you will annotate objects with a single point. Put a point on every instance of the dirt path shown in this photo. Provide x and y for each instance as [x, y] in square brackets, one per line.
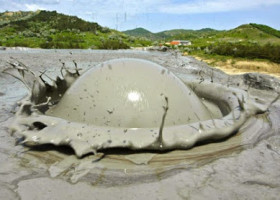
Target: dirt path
[244, 66]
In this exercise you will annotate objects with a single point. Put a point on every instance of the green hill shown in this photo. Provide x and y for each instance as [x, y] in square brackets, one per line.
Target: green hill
[246, 41]
[171, 34]
[139, 32]
[248, 33]
[267, 29]
[45, 29]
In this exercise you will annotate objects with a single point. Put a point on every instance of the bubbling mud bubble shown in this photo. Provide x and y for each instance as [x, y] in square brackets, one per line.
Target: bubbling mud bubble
[127, 103]
[129, 93]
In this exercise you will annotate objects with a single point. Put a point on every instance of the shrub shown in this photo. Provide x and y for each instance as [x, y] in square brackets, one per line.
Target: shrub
[112, 44]
[268, 51]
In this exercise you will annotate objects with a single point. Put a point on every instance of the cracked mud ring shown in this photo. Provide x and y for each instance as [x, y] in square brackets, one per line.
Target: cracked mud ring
[38, 128]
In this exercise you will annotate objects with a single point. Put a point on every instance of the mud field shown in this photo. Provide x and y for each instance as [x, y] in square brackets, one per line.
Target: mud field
[244, 165]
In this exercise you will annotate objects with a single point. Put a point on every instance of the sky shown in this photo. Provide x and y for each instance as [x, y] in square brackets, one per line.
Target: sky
[160, 15]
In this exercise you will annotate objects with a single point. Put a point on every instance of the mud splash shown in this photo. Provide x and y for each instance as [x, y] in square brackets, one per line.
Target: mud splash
[177, 115]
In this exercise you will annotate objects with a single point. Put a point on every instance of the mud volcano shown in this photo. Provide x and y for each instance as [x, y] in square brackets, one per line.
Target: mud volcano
[128, 103]
[226, 149]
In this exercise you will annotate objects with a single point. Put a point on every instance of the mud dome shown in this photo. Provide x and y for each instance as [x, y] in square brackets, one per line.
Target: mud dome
[129, 93]
[127, 103]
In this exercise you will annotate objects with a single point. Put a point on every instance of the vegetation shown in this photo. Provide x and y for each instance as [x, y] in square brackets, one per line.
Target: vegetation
[171, 34]
[112, 44]
[44, 29]
[251, 41]
[245, 41]
[250, 51]
[8, 17]
[140, 32]
[267, 29]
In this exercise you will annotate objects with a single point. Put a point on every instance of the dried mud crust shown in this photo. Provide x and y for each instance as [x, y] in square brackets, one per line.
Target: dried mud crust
[254, 146]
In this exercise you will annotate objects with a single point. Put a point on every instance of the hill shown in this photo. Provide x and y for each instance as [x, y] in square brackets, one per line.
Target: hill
[46, 29]
[139, 32]
[267, 29]
[246, 41]
[249, 41]
[171, 34]
[250, 33]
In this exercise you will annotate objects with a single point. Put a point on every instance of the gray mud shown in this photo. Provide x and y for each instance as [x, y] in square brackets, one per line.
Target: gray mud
[245, 165]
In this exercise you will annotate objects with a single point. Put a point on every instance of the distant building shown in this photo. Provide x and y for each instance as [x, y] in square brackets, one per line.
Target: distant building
[180, 42]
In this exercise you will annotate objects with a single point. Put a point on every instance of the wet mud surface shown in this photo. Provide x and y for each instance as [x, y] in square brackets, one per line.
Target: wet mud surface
[243, 165]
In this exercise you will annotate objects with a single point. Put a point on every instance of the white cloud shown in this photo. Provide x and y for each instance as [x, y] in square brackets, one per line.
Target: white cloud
[111, 12]
[214, 6]
[47, 2]
[128, 6]
[33, 7]
[30, 5]
[135, 7]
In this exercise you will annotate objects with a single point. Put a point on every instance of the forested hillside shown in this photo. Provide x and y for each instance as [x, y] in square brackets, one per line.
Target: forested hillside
[45, 29]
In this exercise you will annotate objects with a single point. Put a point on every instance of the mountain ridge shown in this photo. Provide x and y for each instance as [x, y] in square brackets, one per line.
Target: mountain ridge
[204, 32]
[167, 34]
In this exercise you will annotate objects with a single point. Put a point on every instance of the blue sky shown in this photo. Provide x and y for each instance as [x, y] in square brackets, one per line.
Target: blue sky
[159, 15]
